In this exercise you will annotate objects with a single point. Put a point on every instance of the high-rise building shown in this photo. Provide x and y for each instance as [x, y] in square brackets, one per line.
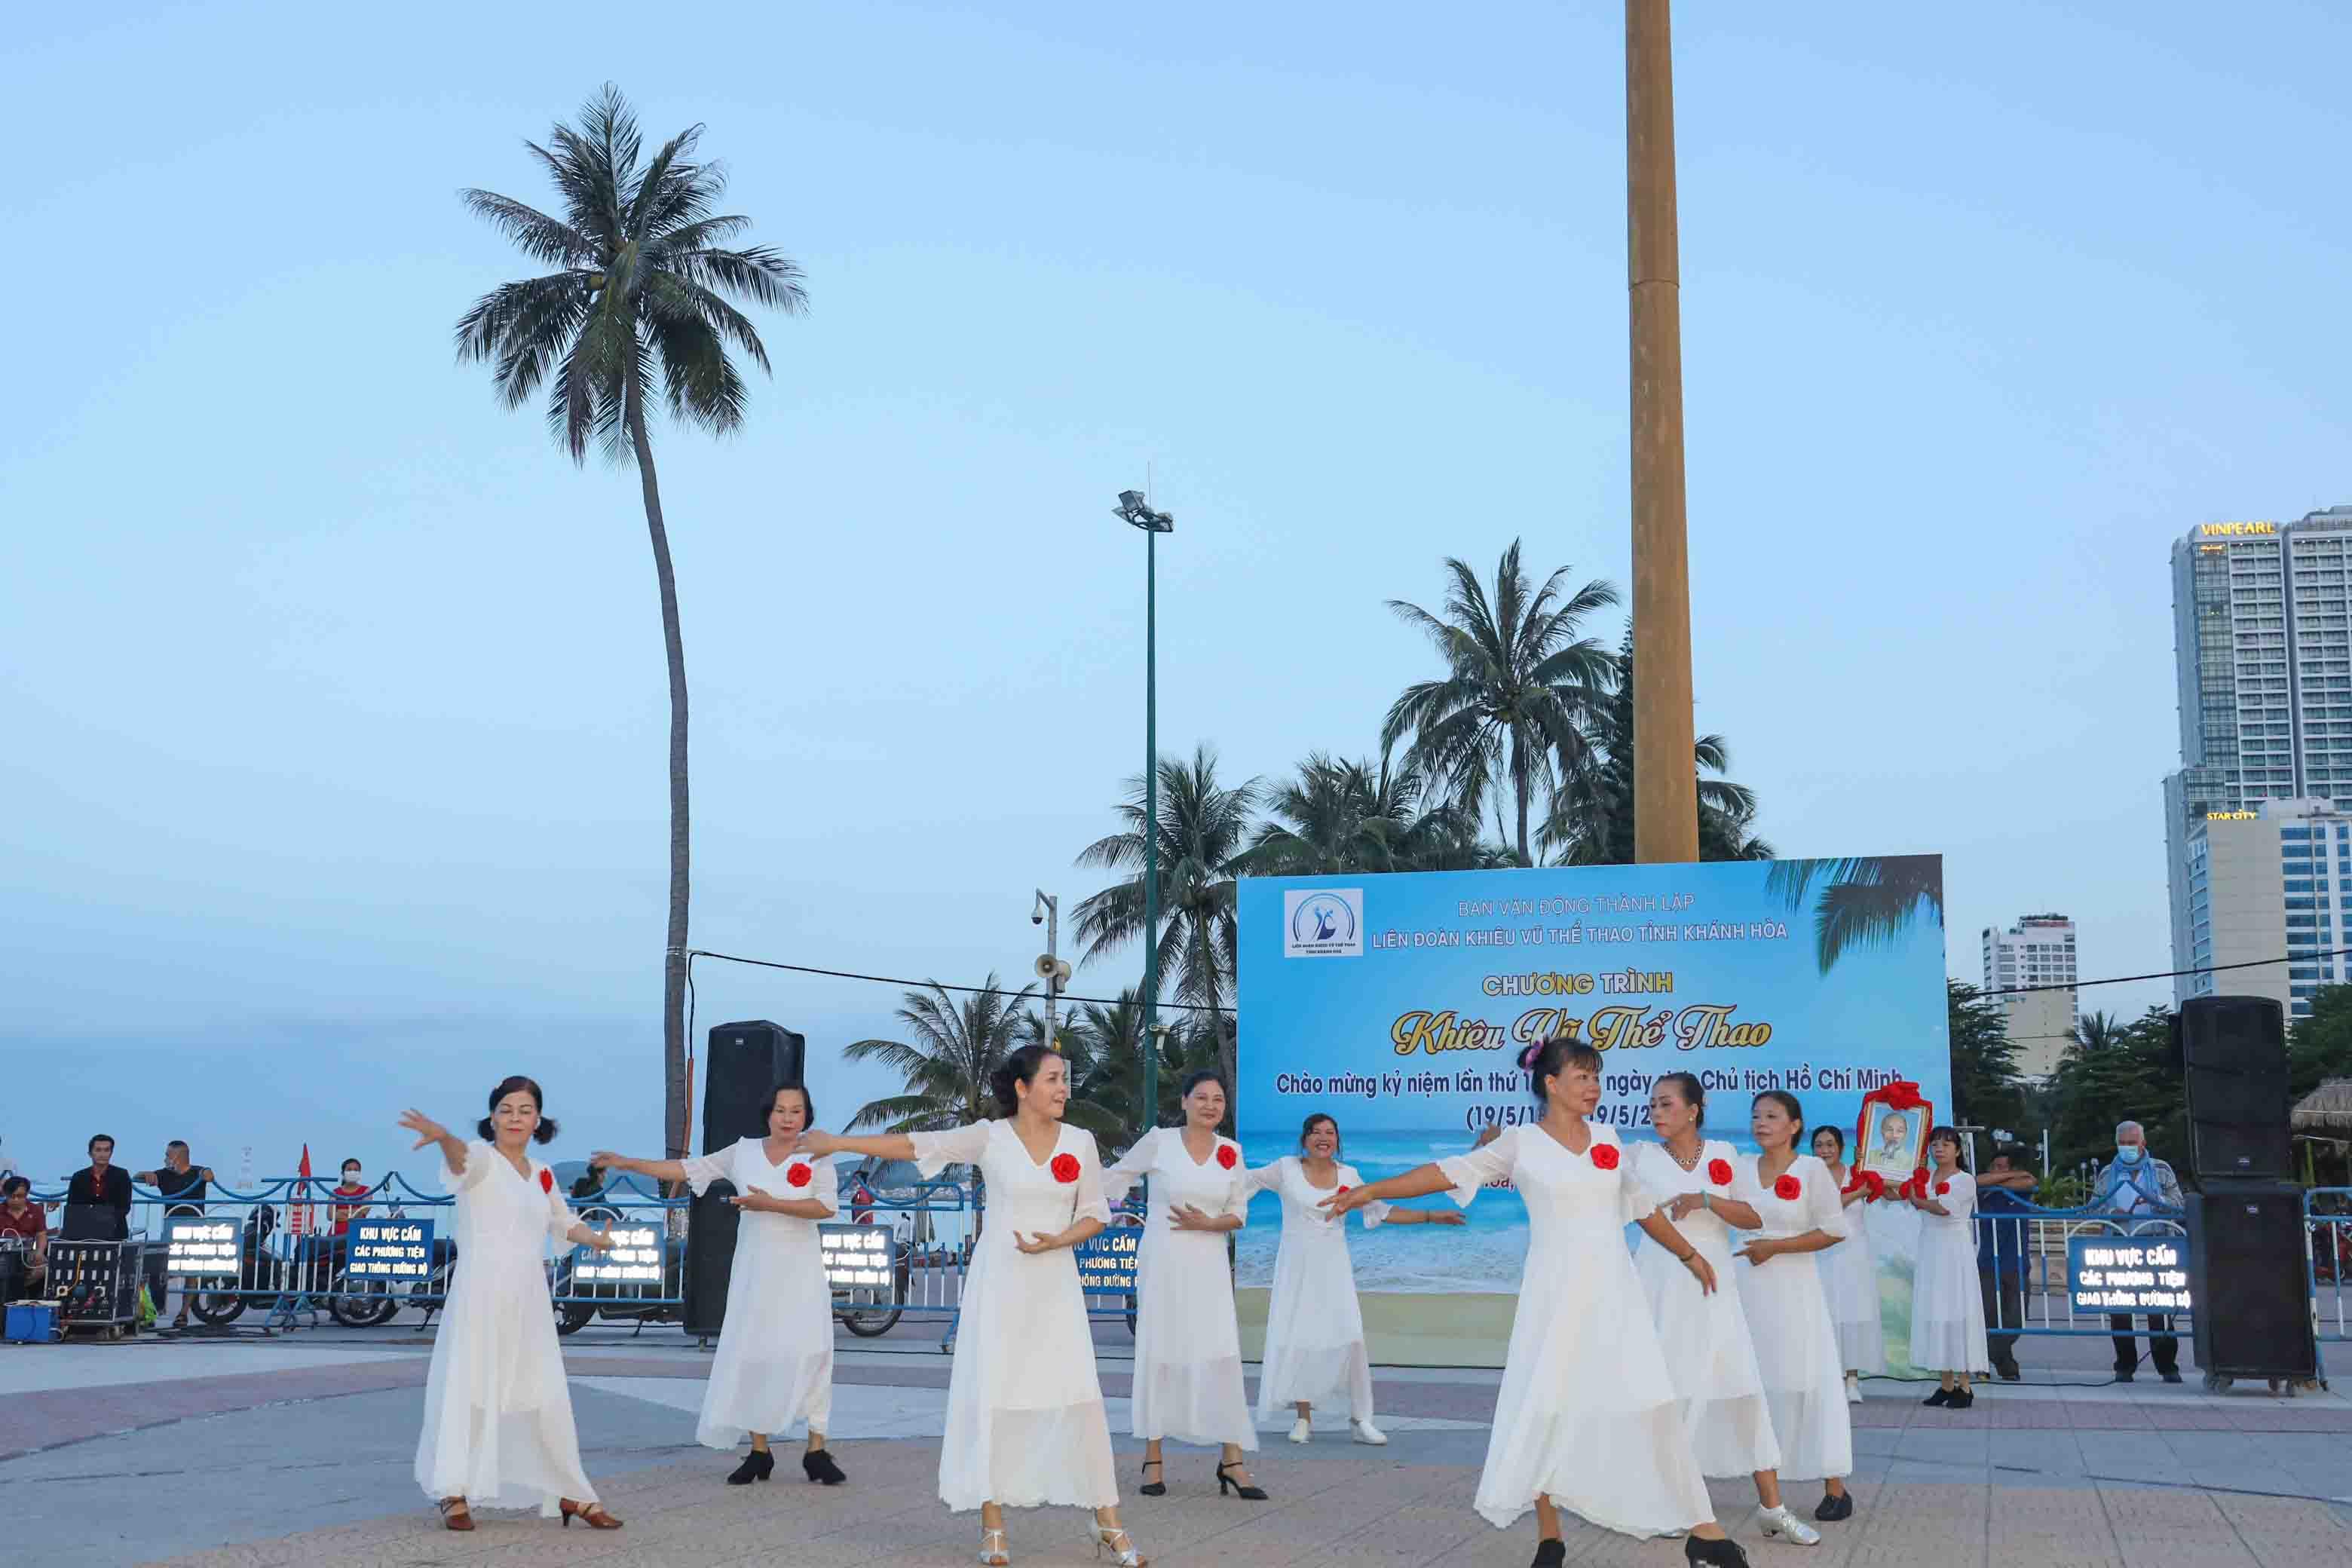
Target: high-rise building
[2262, 617]
[2022, 966]
[2265, 882]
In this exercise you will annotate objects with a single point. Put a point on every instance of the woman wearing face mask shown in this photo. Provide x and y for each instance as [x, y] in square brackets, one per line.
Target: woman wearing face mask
[498, 1411]
[1188, 1346]
[1587, 1417]
[1314, 1327]
[1948, 1327]
[1850, 1271]
[1704, 1333]
[773, 1370]
[1025, 1423]
[1794, 1212]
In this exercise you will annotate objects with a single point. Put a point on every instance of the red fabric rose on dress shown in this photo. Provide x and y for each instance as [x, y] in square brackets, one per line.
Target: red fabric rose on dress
[1788, 1189]
[546, 1180]
[1719, 1172]
[798, 1176]
[1340, 1194]
[1942, 1187]
[1604, 1155]
[1065, 1168]
[1226, 1155]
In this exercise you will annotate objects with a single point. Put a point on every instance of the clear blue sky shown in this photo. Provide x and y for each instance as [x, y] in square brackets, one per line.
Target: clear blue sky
[333, 695]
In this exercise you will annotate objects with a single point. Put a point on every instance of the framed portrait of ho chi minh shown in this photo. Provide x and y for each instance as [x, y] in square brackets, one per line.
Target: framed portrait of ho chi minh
[1891, 1138]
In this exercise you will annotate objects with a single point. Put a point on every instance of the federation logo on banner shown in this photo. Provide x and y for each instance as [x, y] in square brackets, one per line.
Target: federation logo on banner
[1323, 922]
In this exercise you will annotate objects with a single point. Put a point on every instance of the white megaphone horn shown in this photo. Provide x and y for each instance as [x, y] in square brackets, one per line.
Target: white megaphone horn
[1056, 970]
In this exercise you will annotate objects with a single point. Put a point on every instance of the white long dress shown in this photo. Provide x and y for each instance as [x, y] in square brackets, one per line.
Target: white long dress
[1586, 1413]
[1850, 1278]
[497, 1413]
[1024, 1424]
[1187, 1346]
[1947, 1326]
[1705, 1337]
[1787, 1311]
[1314, 1327]
[773, 1368]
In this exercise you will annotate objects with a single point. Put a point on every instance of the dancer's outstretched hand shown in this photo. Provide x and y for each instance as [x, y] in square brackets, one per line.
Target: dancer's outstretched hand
[427, 1130]
[816, 1141]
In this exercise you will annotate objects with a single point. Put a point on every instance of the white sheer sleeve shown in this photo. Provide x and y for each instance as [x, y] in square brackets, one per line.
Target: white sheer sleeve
[1824, 1210]
[1264, 1179]
[1119, 1179]
[965, 1145]
[478, 1155]
[824, 1186]
[559, 1217]
[1480, 1167]
[701, 1170]
[1088, 1202]
[1635, 1201]
[1961, 1201]
[1237, 1187]
[1374, 1213]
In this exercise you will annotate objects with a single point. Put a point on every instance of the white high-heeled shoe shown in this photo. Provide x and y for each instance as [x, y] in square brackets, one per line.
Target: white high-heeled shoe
[1302, 1430]
[1780, 1521]
[1122, 1547]
[1853, 1389]
[1365, 1432]
[991, 1549]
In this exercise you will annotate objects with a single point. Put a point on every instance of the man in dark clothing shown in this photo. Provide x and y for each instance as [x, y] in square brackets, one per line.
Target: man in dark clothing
[182, 1186]
[2003, 1237]
[97, 1198]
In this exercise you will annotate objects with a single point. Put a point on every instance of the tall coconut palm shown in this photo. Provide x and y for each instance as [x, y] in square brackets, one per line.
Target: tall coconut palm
[1335, 817]
[1866, 899]
[1112, 1034]
[953, 1047]
[1203, 829]
[644, 270]
[1521, 684]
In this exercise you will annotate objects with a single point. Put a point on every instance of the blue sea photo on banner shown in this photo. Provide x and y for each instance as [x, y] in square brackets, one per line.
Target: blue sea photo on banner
[1399, 1004]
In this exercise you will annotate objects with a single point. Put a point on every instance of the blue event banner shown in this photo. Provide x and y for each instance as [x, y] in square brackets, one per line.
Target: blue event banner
[1398, 1004]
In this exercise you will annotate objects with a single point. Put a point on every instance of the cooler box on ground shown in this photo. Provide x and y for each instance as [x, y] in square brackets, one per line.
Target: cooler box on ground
[32, 1323]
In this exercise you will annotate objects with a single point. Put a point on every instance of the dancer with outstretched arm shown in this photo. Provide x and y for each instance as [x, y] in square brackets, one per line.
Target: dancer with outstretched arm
[1587, 1418]
[498, 1412]
[1024, 1426]
[1315, 1351]
[773, 1368]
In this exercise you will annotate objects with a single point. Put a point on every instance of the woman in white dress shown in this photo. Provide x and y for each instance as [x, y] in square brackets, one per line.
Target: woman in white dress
[1850, 1271]
[1947, 1326]
[1024, 1424]
[498, 1412]
[1704, 1334]
[1793, 1211]
[773, 1369]
[1314, 1326]
[1586, 1417]
[1187, 1346]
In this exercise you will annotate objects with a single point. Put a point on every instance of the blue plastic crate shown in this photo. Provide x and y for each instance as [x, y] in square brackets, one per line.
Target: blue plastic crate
[32, 1323]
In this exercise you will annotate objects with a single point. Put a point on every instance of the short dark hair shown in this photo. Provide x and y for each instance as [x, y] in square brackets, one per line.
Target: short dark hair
[179, 1143]
[509, 1085]
[98, 1138]
[2001, 1154]
[1787, 1102]
[15, 1185]
[1020, 1067]
[354, 1161]
[1831, 1130]
[1198, 1077]
[1308, 1126]
[808, 1100]
[1694, 1093]
[1555, 1057]
[1950, 1134]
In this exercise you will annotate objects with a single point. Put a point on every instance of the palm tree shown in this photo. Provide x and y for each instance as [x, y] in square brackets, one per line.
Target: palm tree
[1866, 899]
[1334, 819]
[1203, 829]
[643, 268]
[1592, 818]
[1520, 686]
[1110, 1040]
[952, 1051]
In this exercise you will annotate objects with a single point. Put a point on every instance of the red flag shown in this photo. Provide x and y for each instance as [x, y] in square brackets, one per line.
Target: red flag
[297, 1215]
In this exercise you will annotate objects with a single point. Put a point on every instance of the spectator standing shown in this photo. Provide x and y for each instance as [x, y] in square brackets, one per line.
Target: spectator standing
[2004, 1197]
[21, 1217]
[182, 1186]
[343, 1213]
[2140, 1185]
[97, 1198]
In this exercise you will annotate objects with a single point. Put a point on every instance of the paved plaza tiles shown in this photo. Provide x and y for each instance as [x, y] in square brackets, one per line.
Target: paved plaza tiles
[254, 1453]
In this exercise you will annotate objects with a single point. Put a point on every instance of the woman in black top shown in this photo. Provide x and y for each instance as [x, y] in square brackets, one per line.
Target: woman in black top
[97, 1198]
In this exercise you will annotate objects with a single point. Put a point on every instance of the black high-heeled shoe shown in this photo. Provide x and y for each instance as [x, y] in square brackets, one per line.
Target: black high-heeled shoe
[1834, 1508]
[1157, 1488]
[758, 1465]
[1252, 1494]
[1941, 1397]
[1550, 1552]
[1722, 1553]
[1961, 1399]
[818, 1466]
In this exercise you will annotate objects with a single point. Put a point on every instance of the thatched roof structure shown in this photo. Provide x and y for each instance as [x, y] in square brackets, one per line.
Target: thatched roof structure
[2325, 1110]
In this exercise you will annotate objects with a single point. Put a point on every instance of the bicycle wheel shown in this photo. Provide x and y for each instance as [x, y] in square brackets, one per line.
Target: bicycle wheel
[218, 1307]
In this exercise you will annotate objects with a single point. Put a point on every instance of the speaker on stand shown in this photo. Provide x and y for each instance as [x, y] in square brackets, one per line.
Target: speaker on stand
[745, 1064]
[2249, 1263]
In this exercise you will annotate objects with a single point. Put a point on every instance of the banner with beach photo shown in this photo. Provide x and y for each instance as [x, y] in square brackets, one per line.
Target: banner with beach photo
[1398, 1004]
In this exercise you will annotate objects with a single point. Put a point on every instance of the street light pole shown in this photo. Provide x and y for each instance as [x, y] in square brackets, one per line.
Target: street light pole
[1665, 773]
[1133, 509]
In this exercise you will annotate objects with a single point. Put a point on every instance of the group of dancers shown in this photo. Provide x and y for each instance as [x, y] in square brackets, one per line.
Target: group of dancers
[1629, 1377]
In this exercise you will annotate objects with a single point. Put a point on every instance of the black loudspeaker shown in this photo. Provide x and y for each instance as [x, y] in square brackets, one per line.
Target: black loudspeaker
[2233, 1065]
[2252, 1312]
[746, 1063]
